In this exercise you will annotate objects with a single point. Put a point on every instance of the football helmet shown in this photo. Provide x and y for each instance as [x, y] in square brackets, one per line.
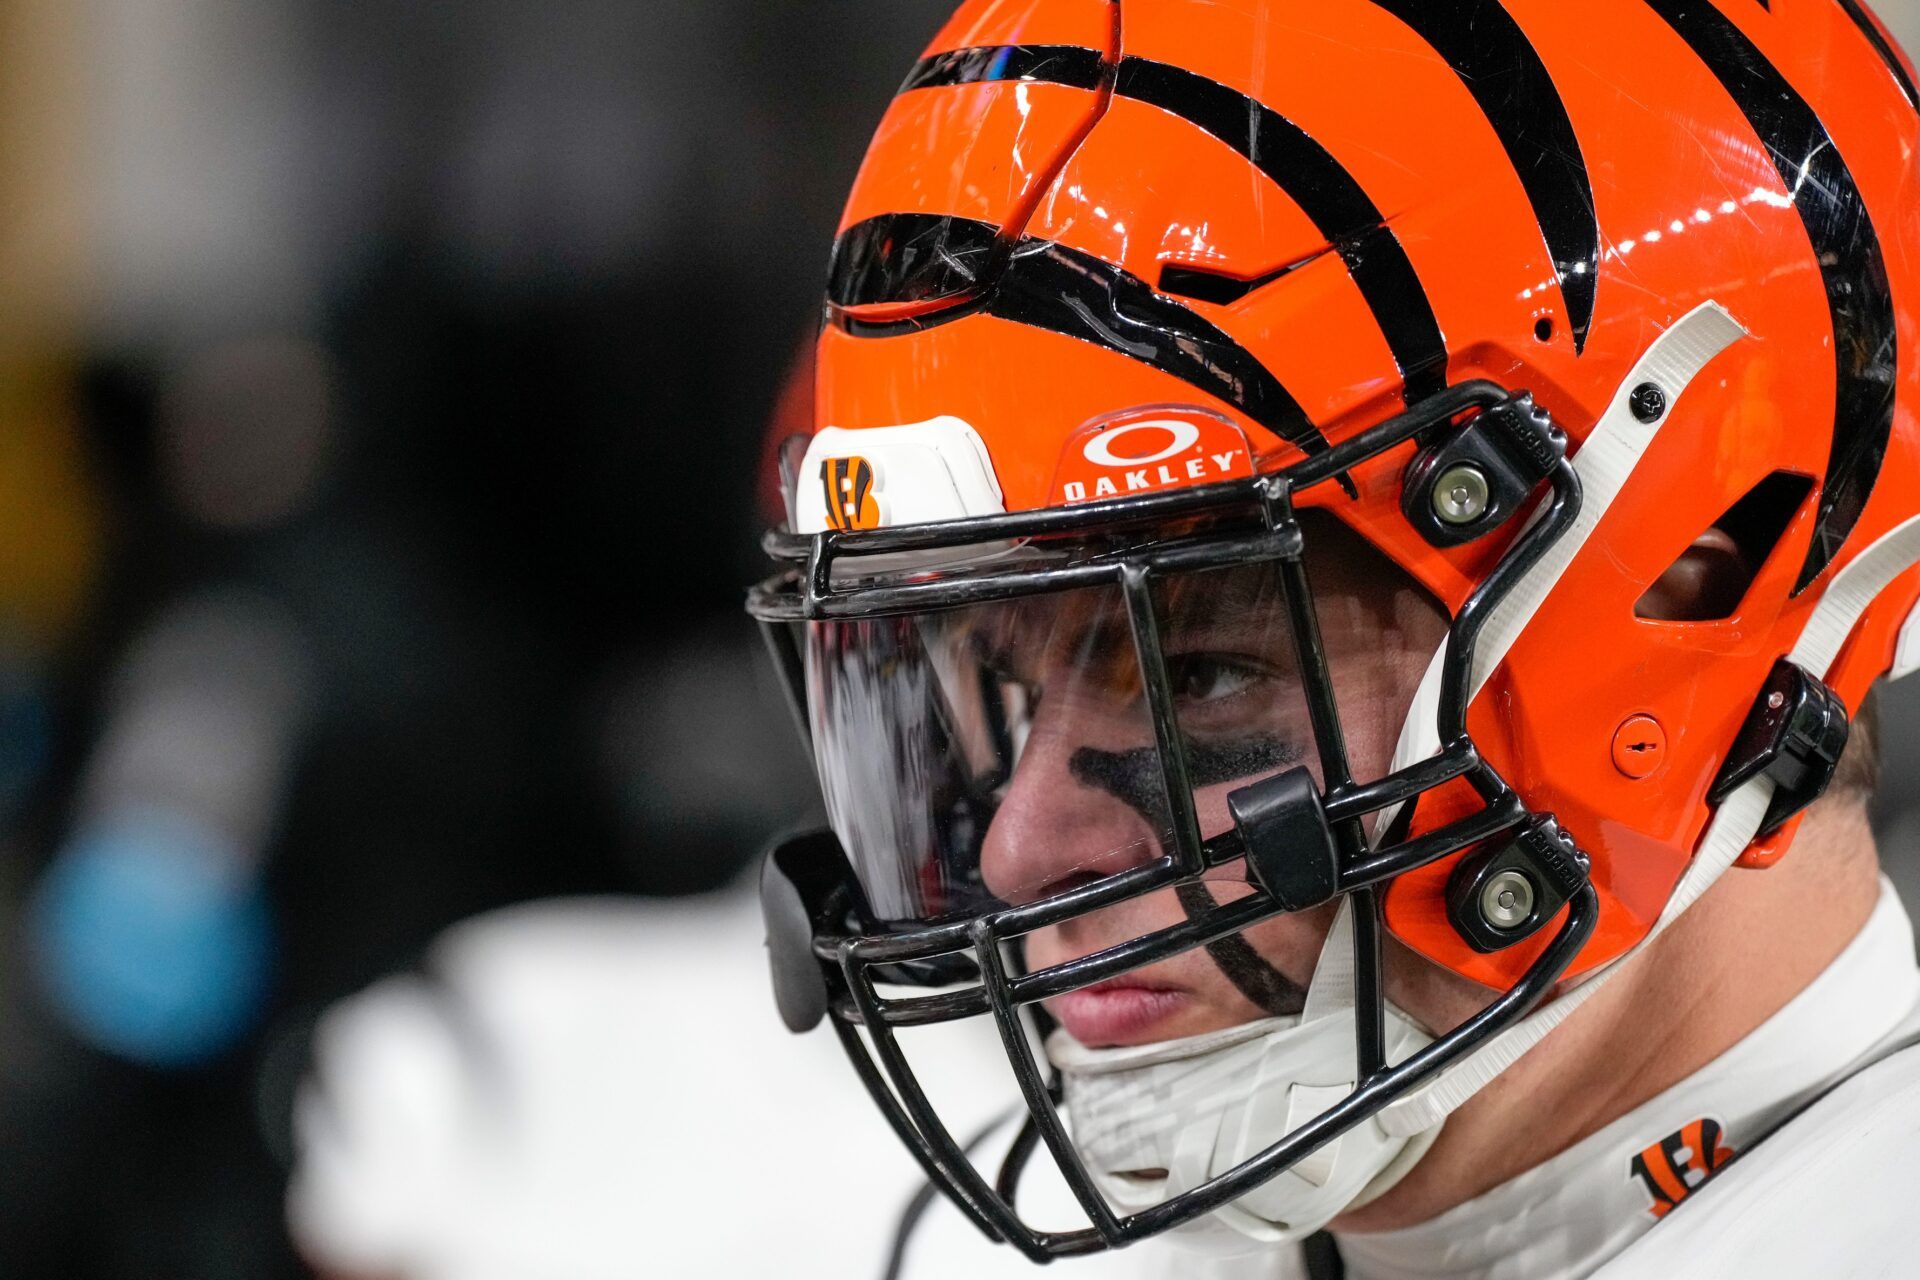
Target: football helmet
[1146, 320]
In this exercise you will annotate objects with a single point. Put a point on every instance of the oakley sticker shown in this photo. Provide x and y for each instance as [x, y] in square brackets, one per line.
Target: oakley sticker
[1676, 1166]
[1148, 451]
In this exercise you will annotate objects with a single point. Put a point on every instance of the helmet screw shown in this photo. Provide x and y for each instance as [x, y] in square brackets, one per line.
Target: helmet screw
[1648, 402]
[1460, 495]
[1507, 900]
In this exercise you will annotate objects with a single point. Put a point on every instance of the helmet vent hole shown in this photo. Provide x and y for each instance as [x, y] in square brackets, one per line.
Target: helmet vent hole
[1543, 329]
[1713, 575]
[1206, 286]
[1218, 287]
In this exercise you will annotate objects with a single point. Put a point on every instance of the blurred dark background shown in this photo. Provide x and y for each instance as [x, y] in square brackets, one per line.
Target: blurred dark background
[383, 390]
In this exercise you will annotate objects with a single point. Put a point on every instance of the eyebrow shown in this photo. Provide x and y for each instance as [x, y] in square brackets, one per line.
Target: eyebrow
[1238, 600]
[1243, 592]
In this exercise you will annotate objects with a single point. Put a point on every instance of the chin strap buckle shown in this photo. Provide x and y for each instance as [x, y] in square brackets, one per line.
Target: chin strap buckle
[1795, 735]
[1507, 892]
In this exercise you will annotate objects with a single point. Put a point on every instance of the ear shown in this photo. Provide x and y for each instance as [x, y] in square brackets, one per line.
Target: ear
[1704, 584]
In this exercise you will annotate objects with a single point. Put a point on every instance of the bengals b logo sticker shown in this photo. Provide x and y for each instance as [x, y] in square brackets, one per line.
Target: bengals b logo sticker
[853, 500]
[1675, 1167]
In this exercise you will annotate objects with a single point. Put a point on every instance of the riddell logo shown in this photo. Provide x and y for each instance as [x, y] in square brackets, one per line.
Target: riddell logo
[1150, 453]
[853, 499]
[1675, 1167]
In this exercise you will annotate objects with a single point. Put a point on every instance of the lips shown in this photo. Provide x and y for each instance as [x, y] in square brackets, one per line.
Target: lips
[1116, 1013]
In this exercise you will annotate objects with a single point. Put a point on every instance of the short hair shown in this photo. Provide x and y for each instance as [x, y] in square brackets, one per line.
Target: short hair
[1858, 775]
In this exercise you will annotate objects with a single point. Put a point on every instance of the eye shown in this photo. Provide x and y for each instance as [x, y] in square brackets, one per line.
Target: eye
[1208, 677]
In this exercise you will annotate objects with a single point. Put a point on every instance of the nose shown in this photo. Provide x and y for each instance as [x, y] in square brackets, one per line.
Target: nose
[1058, 823]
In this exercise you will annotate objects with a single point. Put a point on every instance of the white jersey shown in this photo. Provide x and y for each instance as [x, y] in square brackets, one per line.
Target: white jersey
[1828, 1193]
[583, 1090]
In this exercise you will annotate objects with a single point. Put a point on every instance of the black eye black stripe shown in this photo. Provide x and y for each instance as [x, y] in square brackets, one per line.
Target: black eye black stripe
[1329, 195]
[1050, 286]
[1252, 974]
[1501, 69]
[1136, 779]
[1852, 265]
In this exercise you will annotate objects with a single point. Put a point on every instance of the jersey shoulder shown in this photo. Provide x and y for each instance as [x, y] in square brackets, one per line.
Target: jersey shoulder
[1829, 1193]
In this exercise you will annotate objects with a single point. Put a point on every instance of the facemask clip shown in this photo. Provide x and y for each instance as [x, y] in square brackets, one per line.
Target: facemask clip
[1290, 849]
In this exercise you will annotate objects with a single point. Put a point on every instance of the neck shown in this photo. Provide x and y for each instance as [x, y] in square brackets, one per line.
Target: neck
[1752, 943]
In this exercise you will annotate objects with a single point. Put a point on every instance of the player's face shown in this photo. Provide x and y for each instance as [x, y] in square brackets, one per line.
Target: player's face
[1084, 796]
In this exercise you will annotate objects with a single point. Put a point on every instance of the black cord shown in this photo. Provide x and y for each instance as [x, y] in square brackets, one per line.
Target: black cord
[923, 1200]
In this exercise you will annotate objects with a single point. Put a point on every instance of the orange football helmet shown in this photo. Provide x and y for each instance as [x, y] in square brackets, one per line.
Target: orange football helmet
[1527, 295]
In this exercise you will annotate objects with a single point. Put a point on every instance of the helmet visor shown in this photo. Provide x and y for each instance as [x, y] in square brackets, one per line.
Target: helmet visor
[981, 757]
[993, 755]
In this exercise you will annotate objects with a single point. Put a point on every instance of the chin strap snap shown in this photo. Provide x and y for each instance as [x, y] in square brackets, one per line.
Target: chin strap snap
[1479, 474]
[1795, 735]
[1510, 890]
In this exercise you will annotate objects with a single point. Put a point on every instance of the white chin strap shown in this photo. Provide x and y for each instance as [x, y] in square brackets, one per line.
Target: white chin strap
[1157, 1120]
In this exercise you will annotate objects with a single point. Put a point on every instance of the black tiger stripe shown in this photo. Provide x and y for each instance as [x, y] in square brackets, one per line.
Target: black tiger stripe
[1066, 64]
[1500, 67]
[1063, 290]
[831, 476]
[1051, 286]
[1852, 265]
[1876, 36]
[1330, 197]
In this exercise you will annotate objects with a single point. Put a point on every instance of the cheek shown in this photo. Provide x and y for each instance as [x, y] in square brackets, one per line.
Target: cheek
[1054, 824]
[1210, 808]
[1438, 999]
[1098, 930]
[1374, 690]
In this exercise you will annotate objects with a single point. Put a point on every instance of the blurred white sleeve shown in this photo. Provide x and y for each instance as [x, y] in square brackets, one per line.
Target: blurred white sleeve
[586, 1089]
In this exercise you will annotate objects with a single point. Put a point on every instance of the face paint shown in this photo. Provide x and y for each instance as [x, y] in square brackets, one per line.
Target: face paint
[1274, 992]
[1133, 777]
